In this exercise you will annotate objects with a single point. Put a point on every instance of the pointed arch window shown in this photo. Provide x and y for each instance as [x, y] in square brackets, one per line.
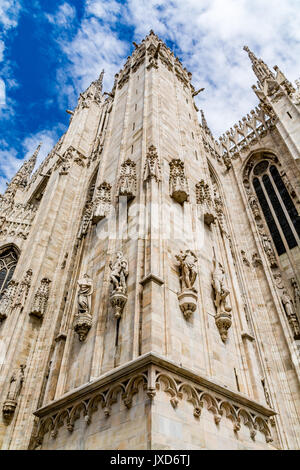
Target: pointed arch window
[8, 262]
[278, 208]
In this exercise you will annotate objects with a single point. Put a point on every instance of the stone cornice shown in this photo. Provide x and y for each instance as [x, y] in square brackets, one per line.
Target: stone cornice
[141, 363]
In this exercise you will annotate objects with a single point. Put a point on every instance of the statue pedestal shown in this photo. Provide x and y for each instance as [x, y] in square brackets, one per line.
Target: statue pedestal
[82, 326]
[187, 302]
[223, 322]
[179, 194]
[118, 301]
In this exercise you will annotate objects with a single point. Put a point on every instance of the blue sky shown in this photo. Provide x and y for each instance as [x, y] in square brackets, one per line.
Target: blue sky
[52, 50]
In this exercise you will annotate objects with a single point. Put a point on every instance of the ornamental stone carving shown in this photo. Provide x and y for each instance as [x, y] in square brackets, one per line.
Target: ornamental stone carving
[179, 189]
[203, 198]
[83, 317]
[187, 296]
[118, 277]
[102, 202]
[40, 300]
[268, 248]
[86, 219]
[15, 387]
[291, 314]
[127, 183]
[70, 155]
[23, 289]
[7, 299]
[152, 166]
[223, 316]
[254, 206]
[296, 291]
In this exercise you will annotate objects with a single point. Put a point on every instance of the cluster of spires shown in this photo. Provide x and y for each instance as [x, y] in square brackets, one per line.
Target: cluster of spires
[259, 67]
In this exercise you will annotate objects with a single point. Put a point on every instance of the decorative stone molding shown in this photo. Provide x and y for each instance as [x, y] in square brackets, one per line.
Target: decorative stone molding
[102, 202]
[187, 296]
[40, 301]
[296, 291]
[7, 299]
[221, 293]
[203, 198]
[15, 219]
[65, 161]
[15, 387]
[152, 374]
[83, 317]
[152, 168]
[128, 180]
[287, 184]
[179, 189]
[118, 276]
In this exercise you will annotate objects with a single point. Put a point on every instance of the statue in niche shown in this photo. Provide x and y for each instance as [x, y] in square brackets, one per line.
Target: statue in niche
[290, 313]
[223, 316]
[83, 318]
[187, 297]
[119, 273]
[221, 291]
[188, 271]
[118, 276]
[15, 387]
[267, 244]
[85, 290]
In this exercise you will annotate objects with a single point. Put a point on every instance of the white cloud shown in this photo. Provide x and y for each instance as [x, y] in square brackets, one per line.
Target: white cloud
[2, 92]
[9, 13]
[11, 161]
[64, 15]
[209, 36]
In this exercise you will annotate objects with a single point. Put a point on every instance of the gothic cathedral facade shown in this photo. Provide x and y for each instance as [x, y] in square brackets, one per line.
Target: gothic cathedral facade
[150, 274]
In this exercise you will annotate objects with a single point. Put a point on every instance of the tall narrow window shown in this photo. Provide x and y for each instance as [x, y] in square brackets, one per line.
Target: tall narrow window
[8, 262]
[279, 210]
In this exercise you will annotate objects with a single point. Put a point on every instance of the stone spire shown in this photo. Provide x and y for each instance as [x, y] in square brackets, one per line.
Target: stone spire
[204, 123]
[260, 69]
[20, 180]
[99, 81]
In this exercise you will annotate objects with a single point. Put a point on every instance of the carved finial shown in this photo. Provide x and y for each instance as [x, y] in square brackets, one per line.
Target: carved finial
[260, 69]
[204, 123]
[99, 82]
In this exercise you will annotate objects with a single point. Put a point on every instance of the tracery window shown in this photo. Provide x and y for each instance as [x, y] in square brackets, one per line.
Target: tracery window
[8, 262]
[278, 208]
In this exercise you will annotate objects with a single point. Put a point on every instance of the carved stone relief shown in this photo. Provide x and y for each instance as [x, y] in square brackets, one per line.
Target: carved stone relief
[179, 189]
[7, 299]
[102, 202]
[203, 198]
[152, 166]
[40, 301]
[128, 180]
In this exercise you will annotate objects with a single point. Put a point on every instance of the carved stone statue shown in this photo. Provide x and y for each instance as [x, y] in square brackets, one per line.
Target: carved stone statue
[119, 273]
[188, 273]
[6, 302]
[118, 276]
[223, 317]
[267, 244]
[290, 313]
[15, 386]
[83, 318]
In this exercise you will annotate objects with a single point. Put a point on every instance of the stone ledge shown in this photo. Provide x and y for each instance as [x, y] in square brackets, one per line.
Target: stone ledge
[141, 362]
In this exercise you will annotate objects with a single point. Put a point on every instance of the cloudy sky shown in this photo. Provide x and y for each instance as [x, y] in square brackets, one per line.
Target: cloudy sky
[52, 50]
